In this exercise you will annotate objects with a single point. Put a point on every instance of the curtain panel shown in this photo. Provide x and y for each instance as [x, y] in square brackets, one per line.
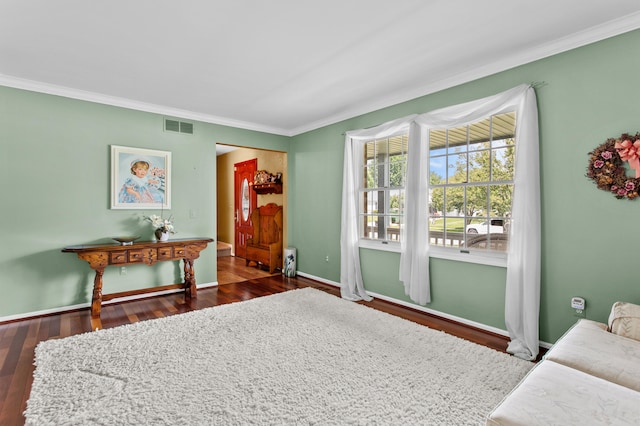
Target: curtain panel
[523, 263]
[351, 285]
[522, 304]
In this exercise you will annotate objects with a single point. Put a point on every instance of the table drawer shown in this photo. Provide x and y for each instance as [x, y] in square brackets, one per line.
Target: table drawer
[165, 253]
[179, 251]
[118, 257]
[136, 256]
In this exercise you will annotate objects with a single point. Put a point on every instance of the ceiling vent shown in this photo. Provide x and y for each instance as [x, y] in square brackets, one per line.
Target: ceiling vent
[178, 126]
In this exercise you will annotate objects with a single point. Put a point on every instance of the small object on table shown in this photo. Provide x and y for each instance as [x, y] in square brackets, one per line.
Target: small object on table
[125, 241]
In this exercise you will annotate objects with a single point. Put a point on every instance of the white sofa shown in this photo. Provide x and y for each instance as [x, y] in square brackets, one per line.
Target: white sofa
[591, 376]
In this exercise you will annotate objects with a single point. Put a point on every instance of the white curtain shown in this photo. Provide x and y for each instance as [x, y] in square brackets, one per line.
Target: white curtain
[351, 285]
[523, 264]
[414, 253]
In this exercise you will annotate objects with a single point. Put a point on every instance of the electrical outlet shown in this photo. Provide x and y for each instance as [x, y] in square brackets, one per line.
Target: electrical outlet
[123, 270]
[580, 313]
[326, 259]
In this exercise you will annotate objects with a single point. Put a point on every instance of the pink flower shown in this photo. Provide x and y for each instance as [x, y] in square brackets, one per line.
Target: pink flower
[606, 155]
[598, 164]
[622, 191]
[614, 188]
[629, 186]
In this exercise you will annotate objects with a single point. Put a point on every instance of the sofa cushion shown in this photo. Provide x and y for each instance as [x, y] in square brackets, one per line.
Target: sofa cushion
[624, 320]
[553, 394]
[590, 348]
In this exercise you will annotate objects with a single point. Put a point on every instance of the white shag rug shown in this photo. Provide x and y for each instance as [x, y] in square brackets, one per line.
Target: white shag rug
[301, 357]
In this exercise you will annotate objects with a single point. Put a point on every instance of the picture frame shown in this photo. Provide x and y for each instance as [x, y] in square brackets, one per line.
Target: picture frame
[140, 178]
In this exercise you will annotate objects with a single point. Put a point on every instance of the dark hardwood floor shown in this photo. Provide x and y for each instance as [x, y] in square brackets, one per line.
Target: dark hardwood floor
[18, 339]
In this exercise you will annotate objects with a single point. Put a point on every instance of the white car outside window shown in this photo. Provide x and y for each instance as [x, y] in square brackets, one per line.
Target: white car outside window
[496, 227]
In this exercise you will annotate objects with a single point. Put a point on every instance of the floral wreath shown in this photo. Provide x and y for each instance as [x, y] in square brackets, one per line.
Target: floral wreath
[607, 169]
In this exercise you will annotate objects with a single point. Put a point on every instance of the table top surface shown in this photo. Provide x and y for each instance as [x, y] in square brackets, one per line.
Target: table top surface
[135, 244]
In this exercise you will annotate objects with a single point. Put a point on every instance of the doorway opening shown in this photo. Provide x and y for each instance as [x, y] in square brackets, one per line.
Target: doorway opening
[227, 212]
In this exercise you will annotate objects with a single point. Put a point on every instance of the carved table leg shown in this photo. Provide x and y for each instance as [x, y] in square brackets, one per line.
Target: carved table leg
[189, 279]
[96, 300]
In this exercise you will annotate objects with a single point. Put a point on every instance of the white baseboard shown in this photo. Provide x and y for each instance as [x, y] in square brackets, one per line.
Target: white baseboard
[64, 309]
[445, 315]
[419, 308]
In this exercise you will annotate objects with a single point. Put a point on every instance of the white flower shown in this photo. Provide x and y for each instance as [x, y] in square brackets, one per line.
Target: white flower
[166, 225]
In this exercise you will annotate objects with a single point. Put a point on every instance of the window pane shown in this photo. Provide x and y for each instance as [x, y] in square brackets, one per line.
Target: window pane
[457, 170]
[398, 145]
[479, 166]
[393, 228]
[437, 170]
[368, 202]
[457, 139]
[478, 146]
[396, 201]
[397, 171]
[437, 141]
[373, 202]
[436, 201]
[503, 126]
[363, 227]
[501, 199]
[454, 238]
[370, 227]
[477, 200]
[480, 135]
[454, 198]
[503, 161]
[370, 173]
[380, 148]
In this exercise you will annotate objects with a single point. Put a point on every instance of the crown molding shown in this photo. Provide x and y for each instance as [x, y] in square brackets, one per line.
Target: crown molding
[573, 41]
[592, 35]
[67, 92]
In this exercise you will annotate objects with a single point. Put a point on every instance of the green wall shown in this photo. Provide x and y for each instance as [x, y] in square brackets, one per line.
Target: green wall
[54, 170]
[55, 183]
[588, 236]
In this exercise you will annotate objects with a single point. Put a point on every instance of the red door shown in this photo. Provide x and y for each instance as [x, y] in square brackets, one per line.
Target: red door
[246, 200]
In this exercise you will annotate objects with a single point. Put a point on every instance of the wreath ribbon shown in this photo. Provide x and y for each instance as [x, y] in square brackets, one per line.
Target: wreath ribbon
[629, 152]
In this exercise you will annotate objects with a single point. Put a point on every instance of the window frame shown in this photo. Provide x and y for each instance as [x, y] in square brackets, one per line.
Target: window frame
[386, 244]
[473, 255]
[478, 256]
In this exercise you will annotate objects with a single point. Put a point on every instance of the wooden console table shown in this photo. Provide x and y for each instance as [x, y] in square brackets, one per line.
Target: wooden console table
[100, 256]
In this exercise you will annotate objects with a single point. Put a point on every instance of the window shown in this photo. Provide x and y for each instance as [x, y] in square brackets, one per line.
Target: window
[382, 189]
[471, 184]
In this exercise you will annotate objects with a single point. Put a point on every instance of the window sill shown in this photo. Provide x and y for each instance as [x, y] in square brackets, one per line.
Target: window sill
[488, 258]
[380, 245]
[481, 258]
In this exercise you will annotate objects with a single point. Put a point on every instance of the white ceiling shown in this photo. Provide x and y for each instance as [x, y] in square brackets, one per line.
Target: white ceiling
[283, 66]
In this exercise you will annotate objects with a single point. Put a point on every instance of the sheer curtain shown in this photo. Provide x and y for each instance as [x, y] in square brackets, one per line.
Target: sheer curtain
[523, 264]
[522, 308]
[414, 250]
[351, 285]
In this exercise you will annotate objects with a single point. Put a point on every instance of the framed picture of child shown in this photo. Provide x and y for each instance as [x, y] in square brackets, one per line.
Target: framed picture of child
[140, 178]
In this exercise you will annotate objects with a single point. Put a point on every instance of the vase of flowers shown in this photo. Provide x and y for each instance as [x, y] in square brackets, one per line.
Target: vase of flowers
[163, 227]
[161, 235]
